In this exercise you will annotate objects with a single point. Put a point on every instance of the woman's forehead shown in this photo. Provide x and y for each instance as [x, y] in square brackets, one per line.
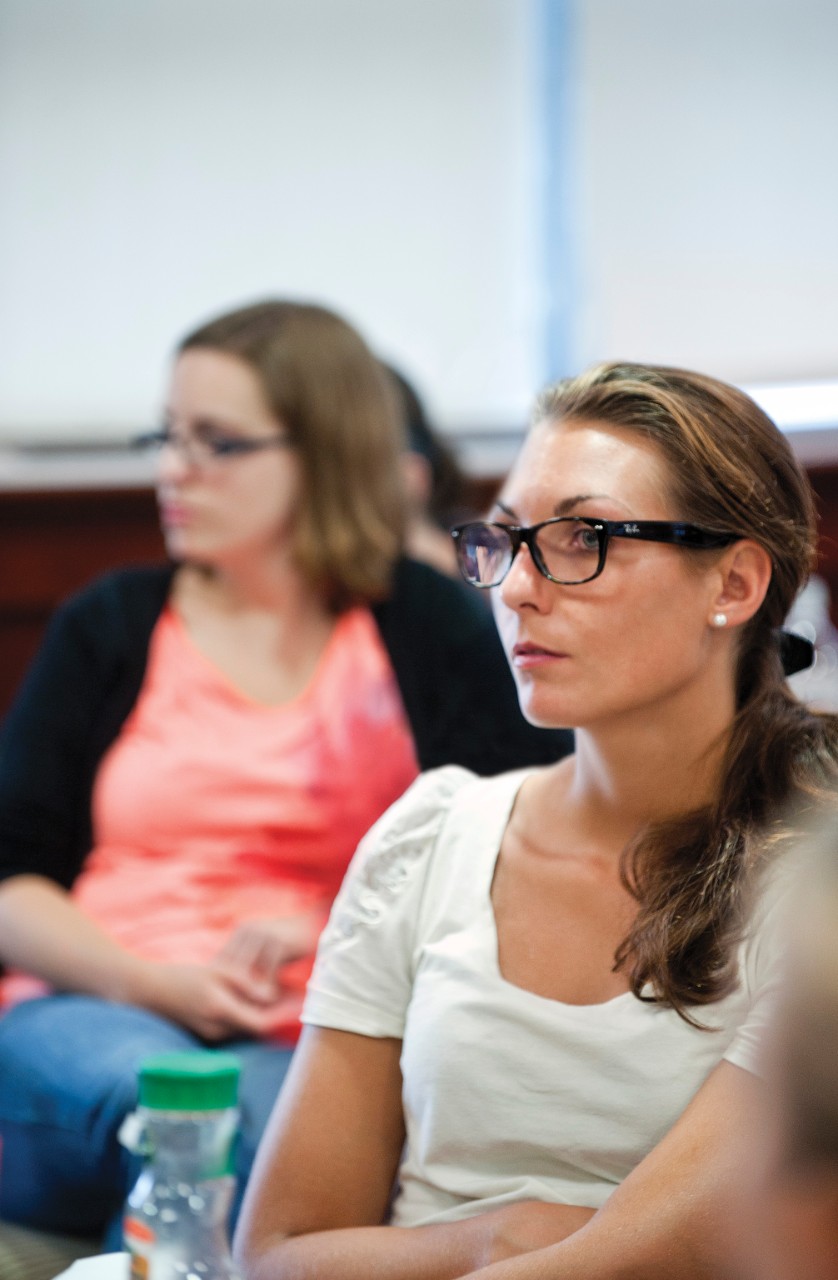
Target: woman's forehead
[560, 460]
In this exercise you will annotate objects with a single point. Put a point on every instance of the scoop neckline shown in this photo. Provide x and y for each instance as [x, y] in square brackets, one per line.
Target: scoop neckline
[173, 616]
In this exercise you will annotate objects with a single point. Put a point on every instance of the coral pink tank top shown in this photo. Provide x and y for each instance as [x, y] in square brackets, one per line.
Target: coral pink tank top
[210, 810]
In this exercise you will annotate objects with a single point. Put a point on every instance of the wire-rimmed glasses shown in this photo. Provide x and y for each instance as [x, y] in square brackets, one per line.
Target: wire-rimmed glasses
[205, 449]
[566, 549]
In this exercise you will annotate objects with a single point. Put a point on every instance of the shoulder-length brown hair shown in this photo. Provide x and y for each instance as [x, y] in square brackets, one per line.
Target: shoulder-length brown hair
[333, 398]
[730, 469]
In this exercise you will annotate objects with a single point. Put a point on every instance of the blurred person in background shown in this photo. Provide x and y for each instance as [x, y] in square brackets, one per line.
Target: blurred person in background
[434, 483]
[790, 1165]
[198, 748]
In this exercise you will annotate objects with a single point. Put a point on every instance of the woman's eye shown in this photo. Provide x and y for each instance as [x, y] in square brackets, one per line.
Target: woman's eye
[222, 444]
[585, 538]
[215, 441]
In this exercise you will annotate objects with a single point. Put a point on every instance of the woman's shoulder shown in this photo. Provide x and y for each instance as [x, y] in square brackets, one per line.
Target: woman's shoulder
[111, 615]
[769, 908]
[441, 812]
[121, 604]
[148, 584]
[413, 822]
[437, 794]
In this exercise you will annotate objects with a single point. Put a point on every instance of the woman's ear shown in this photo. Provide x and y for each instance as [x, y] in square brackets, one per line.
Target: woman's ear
[744, 572]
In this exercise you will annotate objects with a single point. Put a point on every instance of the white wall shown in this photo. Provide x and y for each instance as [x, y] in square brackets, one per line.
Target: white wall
[164, 159]
[707, 205]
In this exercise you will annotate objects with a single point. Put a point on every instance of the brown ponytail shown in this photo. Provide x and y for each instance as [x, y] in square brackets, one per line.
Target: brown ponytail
[731, 469]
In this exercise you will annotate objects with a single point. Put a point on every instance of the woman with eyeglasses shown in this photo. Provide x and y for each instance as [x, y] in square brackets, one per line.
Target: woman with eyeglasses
[537, 1006]
[199, 747]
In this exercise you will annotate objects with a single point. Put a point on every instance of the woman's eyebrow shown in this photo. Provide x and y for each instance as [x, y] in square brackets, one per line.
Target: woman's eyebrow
[209, 421]
[561, 508]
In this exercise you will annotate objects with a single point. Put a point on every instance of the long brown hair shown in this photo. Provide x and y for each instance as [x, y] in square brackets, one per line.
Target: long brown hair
[333, 398]
[730, 469]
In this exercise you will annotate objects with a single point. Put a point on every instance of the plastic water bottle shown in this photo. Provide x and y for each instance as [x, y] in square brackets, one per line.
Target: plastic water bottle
[175, 1224]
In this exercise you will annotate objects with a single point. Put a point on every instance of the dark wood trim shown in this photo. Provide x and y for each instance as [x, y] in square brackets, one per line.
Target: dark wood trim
[53, 542]
[56, 540]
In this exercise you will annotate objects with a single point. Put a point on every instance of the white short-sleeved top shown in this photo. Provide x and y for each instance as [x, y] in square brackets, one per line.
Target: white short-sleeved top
[507, 1095]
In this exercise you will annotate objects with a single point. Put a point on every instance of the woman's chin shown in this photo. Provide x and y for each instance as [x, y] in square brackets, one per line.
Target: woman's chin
[174, 551]
[180, 546]
[543, 713]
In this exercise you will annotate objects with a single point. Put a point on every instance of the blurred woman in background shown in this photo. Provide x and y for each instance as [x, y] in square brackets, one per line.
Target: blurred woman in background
[198, 748]
[784, 1226]
[434, 483]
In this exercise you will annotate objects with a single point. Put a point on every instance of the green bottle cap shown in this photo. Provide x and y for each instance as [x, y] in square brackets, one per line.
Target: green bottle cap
[201, 1081]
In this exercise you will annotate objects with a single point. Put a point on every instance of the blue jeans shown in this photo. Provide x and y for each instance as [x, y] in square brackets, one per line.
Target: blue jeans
[68, 1077]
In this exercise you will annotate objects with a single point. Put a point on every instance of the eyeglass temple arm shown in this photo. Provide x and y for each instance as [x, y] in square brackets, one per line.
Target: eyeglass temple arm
[686, 535]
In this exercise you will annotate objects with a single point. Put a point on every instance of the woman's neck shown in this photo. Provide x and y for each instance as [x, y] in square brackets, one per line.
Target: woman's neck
[647, 769]
[649, 779]
[276, 586]
[264, 632]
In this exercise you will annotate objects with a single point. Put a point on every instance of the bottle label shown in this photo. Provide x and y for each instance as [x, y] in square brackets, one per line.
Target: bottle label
[139, 1241]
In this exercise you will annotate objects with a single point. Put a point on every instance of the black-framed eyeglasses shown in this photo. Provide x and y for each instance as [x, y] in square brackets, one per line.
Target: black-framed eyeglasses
[566, 549]
[202, 450]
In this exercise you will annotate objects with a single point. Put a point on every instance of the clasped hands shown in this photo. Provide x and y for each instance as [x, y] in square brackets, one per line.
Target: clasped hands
[235, 993]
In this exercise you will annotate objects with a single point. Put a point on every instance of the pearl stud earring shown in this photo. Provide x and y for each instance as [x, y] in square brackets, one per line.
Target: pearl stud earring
[719, 619]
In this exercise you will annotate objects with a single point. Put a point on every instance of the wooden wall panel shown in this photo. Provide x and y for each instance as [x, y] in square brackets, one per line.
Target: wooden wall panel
[54, 541]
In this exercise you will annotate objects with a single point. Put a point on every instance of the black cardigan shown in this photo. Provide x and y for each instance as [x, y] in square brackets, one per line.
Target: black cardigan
[456, 687]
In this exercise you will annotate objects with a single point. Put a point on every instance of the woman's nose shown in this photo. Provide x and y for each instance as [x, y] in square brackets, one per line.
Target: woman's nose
[174, 462]
[524, 585]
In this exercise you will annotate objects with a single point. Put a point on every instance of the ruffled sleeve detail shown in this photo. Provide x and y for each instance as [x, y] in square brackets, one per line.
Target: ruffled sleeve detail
[363, 975]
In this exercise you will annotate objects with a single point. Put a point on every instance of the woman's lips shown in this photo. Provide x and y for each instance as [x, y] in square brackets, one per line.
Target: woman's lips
[526, 655]
[174, 516]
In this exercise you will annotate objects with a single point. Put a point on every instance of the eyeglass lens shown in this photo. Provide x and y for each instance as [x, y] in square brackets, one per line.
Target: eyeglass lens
[201, 449]
[569, 550]
[485, 553]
